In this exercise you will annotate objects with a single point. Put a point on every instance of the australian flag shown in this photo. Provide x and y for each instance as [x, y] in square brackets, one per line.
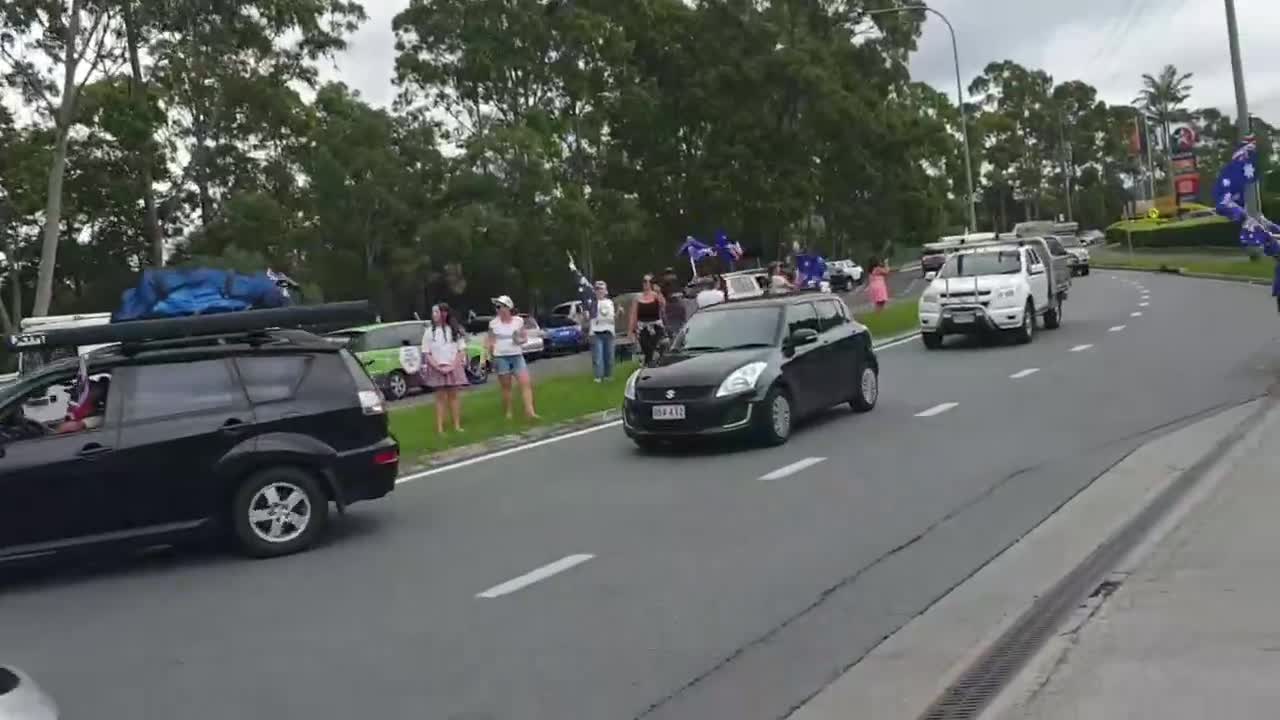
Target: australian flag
[727, 250]
[812, 268]
[1229, 198]
[695, 250]
[78, 407]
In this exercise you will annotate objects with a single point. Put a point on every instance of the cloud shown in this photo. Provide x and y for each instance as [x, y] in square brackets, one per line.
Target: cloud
[1110, 44]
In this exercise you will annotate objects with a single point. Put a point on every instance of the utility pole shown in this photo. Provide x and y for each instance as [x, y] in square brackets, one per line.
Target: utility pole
[1151, 165]
[1242, 100]
[972, 200]
[1067, 159]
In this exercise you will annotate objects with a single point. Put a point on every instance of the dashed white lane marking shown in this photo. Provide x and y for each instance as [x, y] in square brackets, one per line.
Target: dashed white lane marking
[1116, 328]
[534, 576]
[1023, 373]
[937, 409]
[1081, 348]
[1136, 314]
[792, 469]
[1144, 304]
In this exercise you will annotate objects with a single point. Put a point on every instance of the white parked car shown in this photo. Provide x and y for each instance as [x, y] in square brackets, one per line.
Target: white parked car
[843, 275]
[1079, 255]
[993, 287]
[535, 341]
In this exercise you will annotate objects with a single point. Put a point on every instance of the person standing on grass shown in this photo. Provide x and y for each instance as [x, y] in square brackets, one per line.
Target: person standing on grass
[601, 315]
[878, 284]
[444, 347]
[506, 336]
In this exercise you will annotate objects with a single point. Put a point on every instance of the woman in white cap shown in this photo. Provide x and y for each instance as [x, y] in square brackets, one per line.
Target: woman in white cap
[506, 336]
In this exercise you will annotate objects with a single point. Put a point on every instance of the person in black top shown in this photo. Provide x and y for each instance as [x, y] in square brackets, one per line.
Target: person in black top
[645, 324]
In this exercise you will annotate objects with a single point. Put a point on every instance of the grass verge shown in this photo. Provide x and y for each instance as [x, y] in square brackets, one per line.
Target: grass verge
[1236, 264]
[897, 318]
[557, 399]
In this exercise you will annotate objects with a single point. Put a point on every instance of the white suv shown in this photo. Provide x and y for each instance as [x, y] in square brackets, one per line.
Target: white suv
[991, 288]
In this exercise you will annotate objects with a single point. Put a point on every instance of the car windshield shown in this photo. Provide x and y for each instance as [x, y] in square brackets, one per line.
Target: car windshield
[729, 329]
[559, 321]
[1003, 262]
[1070, 241]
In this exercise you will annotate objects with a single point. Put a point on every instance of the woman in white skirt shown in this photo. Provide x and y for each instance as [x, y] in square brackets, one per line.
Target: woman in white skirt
[444, 370]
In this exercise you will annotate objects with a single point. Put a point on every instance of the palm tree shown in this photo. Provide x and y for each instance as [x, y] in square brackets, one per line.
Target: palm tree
[1161, 98]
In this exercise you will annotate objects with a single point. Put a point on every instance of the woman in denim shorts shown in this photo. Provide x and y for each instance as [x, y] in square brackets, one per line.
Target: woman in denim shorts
[506, 336]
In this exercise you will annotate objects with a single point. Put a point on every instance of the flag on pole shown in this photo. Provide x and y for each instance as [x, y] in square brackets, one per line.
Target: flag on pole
[694, 249]
[730, 251]
[78, 407]
[1229, 198]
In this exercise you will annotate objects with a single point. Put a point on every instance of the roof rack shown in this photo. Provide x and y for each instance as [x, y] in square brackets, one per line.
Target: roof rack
[1005, 241]
[243, 325]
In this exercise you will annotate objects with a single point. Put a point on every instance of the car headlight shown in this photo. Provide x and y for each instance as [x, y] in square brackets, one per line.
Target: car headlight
[742, 380]
[629, 392]
[930, 298]
[1005, 295]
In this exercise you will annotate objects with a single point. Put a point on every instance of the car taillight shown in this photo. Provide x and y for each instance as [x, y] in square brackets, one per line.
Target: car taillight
[387, 457]
[371, 402]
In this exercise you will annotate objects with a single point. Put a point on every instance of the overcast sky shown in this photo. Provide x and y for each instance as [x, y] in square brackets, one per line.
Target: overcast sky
[1107, 43]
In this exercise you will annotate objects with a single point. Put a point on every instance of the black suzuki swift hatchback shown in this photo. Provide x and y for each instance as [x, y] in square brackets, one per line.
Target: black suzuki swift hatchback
[195, 427]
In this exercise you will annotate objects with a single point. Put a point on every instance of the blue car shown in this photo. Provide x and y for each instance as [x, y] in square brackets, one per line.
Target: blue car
[563, 335]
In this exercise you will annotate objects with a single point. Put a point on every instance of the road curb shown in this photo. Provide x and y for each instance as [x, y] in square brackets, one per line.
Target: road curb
[1182, 272]
[947, 653]
[584, 423]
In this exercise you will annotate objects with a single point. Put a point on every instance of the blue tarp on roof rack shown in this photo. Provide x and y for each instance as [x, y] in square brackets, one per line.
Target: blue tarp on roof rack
[178, 292]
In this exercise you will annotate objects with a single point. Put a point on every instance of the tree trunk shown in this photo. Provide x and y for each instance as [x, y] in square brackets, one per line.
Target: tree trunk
[146, 162]
[58, 166]
[1168, 157]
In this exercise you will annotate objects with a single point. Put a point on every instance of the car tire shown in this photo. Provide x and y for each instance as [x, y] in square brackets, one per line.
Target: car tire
[397, 385]
[777, 417]
[1053, 318]
[1085, 271]
[868, 390]
[279, 511]
[932, 340]
[1027, 332]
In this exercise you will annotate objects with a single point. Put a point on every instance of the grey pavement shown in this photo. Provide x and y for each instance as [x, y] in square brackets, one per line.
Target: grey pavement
[1193, 632]
[708, 592]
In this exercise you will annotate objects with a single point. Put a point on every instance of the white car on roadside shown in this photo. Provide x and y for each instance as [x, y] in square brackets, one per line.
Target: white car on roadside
[989, 288]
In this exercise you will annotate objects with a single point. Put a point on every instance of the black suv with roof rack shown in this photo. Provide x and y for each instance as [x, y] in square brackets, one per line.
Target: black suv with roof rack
[227, 422]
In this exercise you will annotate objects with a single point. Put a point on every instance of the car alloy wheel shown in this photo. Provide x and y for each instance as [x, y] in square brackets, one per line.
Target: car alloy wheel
[870, 386]
[280, 512]
[397, 385]
[780, 415]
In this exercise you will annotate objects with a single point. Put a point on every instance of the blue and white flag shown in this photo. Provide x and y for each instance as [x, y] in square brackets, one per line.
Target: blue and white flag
[1229, 198]
[695, 250]
[727, 250]
[812, 269]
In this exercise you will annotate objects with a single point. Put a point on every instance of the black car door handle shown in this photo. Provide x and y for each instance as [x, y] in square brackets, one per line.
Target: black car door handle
[93, 450]
[234, 426]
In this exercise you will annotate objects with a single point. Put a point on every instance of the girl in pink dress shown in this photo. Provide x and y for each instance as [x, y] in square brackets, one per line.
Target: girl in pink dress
[878, 286]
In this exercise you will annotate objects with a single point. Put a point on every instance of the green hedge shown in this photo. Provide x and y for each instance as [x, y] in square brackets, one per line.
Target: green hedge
[1188, 233]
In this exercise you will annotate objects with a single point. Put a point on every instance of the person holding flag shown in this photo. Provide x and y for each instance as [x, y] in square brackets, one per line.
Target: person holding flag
[89, 404]
[600, 312]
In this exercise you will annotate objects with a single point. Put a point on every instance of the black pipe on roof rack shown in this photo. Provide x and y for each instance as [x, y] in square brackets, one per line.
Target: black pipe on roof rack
[227, 323]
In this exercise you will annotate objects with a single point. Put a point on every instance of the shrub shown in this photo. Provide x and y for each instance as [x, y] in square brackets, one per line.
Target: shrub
[1213, 231]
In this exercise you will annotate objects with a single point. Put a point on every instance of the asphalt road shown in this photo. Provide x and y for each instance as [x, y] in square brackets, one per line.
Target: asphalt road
[728, 583]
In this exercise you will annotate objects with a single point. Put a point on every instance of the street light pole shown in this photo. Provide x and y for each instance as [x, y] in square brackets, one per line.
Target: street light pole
[1242, 100]
[964, 120]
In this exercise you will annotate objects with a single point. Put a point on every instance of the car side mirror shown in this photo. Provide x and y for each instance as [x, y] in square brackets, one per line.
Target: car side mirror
[930, 276]
[802, 337]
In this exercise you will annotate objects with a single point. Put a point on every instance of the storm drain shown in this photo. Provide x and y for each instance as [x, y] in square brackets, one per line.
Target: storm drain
[979, 685]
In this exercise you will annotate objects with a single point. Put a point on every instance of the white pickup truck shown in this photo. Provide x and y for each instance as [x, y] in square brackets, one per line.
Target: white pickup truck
[998, 286]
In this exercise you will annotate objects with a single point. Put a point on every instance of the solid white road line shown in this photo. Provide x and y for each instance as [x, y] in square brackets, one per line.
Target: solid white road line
[937, 410]
[504, 453]
[1136, 314]
[792, 469]
[1023, 373]
[1081, 348]
[1116, 328]
[534, 576]
[896, 343]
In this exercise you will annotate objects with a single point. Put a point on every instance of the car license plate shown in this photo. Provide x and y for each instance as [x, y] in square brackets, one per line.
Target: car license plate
[962, 318]
[668, 412]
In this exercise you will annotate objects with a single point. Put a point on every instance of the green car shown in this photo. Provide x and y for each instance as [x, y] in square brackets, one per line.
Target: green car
[381, 349]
